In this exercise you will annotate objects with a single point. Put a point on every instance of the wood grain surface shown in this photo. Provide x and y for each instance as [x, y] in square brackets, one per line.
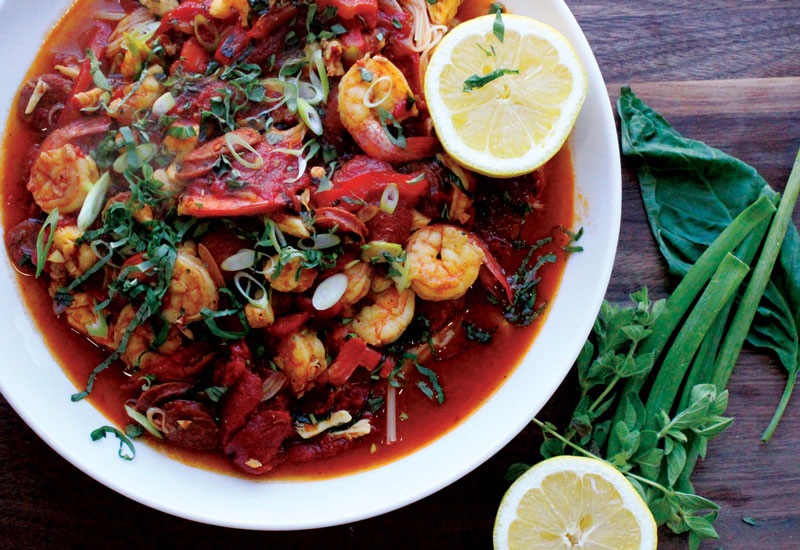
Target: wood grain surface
[723, 71]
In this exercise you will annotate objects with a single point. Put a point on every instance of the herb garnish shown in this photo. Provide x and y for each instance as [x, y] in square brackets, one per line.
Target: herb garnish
[42, 248]
[498, 28]
[387, 118]
[101, 432]
[477, 334]
[523, 310]
[474, 82]
[433, 379]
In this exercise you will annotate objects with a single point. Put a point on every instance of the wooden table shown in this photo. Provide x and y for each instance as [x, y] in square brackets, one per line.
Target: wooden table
[723, 71]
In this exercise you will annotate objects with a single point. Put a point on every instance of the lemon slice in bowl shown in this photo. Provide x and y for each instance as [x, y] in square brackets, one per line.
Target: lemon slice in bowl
[570, 502]
[504, 108]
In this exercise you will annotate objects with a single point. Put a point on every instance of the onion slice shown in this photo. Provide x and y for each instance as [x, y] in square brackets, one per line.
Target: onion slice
[260, 299]
[319, 242]
[391, 414]
[233, 139]
[366, 99]
[309, 115]
[244, 259]
[329, 292]
[94, 202]
[390, 198]
[163, 104]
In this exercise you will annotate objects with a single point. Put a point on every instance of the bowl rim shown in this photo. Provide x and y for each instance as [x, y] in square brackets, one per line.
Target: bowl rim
[124, 481]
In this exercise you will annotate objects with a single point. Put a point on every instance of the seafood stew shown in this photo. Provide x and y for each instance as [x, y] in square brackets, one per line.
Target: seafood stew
[241, 216]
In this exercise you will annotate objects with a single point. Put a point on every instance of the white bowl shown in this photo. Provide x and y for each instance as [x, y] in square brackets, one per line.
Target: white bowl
[39, 391]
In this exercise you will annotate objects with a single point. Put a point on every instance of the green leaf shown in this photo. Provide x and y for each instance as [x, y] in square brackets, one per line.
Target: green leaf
[124, 441]
[475, 81]
[650, 463]
[749, 521]
[676, 460]
[701, 527]
[516, 470]
[691, 192]
[551, 447]
[694, 503]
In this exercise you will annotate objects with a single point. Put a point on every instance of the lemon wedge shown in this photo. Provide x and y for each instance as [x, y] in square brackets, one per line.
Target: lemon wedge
[504, 108]
[570, 502]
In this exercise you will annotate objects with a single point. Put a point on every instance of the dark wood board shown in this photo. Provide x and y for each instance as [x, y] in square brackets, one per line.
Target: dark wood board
[723, 71]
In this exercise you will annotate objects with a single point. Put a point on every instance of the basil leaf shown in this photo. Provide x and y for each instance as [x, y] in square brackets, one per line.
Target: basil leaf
[474, 82]
[386, 119]
[691, 192]
[499, 27]
[101, 432]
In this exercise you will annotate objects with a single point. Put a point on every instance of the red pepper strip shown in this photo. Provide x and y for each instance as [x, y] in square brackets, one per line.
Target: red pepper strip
[98, 39]
[185, 13]
[272, 21]
[354, 354]
[194, 57]
[373, 184]
[232, 45]
[349, 9]
[288, 325]
[387, 368]
[493, 266]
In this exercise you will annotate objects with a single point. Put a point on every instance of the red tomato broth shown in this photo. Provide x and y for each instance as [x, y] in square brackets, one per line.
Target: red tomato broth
[468, 379]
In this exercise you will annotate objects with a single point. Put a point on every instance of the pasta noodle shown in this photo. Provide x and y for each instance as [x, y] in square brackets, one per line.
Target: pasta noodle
[425, 35]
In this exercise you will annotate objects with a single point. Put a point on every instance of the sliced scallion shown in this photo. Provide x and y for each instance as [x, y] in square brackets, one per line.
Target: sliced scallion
[94, 202]
[310, 116]
[390, 198]
[366, 99]
[143, 421]
[319, 242]
[329, 292]
[42, 248]
[260, 298]
[244, 259]
[163, 104]
[232, 140]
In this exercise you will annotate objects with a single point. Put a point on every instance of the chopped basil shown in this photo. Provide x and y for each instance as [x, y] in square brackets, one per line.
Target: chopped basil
[387, 118]
[432, 2]
[474, 82]
[477, 334]
[433, 379]
[101, 432]
[338, 29]
[366, 76]
[182, 132]
[499, 27]
[397, 23]
[490, 51]
[214, 393]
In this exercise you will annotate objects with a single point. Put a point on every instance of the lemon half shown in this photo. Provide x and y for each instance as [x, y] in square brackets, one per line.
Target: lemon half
[570, 502]
[516, 122]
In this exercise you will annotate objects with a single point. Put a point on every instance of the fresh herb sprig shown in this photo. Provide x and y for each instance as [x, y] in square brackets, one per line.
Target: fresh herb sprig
[475, 82]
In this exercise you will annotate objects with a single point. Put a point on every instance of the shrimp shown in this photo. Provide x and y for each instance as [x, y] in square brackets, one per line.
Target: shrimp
[359, 279]
[223, 9]
[302, 358]
[442, 262]
[61, 178]
[180, 147]
[385, 321]
[191, 289]
[378, 81]
[137, 353]
[292, 277]
[159, 8]
[81, 316]
[67, 258]
[142, 96]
